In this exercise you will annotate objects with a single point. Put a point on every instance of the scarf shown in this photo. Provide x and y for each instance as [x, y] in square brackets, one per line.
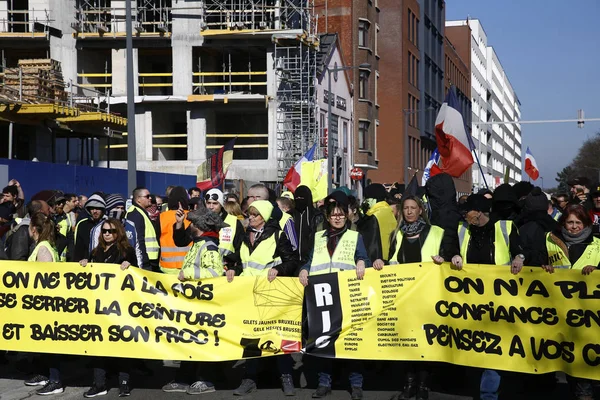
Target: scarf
[153, 212]
[413, 228]
[333, 238]
[576, 238]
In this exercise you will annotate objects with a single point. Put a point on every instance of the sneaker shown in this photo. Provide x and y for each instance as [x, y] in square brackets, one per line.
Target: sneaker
[174, 387]
[95, 391]
[38, 380]
[247, 386]
[322, 391]
[51, 388]
[357, 393]
[287, 384]
[201, 387]
[124, 389]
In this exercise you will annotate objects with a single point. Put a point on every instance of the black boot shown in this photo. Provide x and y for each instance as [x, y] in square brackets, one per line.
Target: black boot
[423, 392]
[410, 388]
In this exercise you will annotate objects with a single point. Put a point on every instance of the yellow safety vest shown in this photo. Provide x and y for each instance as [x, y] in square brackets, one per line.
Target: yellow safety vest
[343, 256]
[284, 219]
[558, 259]
[149, 234]
[202, 261]
[387, 223]
[262, 258]
[501, 241]
[226, 236]
[66, 224]
[48, 246]
[430, 248]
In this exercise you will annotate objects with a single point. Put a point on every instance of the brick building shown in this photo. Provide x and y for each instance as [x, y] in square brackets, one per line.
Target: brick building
[357, 24]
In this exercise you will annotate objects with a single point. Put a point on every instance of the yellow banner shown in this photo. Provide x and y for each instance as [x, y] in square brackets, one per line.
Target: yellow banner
[101, 310]
[481, 316]
[314, 175]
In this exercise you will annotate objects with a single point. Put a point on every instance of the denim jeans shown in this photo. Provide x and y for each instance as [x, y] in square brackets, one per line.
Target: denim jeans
[490, 383]
[356, 379]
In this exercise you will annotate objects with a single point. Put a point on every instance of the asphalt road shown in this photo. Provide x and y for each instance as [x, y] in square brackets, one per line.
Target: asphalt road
[382, 380]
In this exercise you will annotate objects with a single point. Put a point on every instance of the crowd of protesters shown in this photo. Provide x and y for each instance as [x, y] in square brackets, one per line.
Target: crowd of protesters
[196, 235]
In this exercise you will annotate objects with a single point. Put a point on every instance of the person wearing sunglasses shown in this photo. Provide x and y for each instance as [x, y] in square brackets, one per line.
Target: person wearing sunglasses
[147, 232]
[95, 207]
[337, 249]
[113, 248]
[266, 251]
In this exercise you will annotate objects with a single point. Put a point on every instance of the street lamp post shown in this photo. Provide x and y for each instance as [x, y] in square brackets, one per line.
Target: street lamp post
[131, 151]
[406, 113]
[542, 178]
[329, 117]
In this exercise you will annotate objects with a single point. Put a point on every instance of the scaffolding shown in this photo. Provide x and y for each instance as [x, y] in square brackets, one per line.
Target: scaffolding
[295, 69]
[23, 21]
[99, 17]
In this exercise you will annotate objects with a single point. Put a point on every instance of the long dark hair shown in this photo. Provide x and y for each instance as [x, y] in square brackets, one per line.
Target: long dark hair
[44, 227]
[120, 241]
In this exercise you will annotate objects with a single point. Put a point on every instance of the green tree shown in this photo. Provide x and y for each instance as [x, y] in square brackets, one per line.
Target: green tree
[586, 163]
[562, 177]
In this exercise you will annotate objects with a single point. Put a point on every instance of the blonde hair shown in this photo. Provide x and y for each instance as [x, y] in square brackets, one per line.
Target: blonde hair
[233, 208]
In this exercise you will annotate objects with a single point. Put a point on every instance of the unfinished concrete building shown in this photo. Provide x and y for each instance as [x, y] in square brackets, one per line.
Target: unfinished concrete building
[206, 72]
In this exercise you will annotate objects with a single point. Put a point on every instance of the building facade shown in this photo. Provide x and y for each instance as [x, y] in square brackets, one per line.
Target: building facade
[357, 25]
[498, 147]
[340, 99]
[205, 72]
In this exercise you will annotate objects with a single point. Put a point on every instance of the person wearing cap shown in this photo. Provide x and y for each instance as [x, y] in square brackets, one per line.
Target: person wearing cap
[147, 232]
[202, 261]
[64, 244]
[232, 234]
[580, 190]
[115, 209]
[65, 217]
[172, 255]
[377, 224]
[18, 243]
[336, 249]
[95, 207]
[266, 251]
[483, 240]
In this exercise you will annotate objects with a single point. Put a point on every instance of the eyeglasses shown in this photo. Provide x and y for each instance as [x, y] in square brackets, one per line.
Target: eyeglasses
[214, 197]
[111, 231]
[148, 196]
[253, 215]
[337, 216]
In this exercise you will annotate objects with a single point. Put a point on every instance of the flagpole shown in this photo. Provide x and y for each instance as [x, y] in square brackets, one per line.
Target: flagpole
[481, 170]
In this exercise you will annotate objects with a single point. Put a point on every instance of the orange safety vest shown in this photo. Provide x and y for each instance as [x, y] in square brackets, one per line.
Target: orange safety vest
[171, 256]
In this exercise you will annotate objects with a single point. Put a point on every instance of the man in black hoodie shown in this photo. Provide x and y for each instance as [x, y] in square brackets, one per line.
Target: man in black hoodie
[534, 224]
[441, 194]
[306, 220]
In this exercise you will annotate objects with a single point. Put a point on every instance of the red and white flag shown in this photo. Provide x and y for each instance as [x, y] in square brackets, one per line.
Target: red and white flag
[452, 138]
[531, 167]
[292, 178]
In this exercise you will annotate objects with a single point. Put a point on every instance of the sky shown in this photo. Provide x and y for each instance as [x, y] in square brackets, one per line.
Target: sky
[550, 51]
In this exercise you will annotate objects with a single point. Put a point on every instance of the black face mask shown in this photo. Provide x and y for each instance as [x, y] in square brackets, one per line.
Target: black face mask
[301, 203]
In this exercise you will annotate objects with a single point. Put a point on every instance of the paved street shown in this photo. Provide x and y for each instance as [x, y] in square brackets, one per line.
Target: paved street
[381, 382]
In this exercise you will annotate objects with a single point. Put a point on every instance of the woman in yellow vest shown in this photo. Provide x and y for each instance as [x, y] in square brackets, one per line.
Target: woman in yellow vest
[337, 249]
[42, 231]
[415, 239]
[266, 251]
[574, 246]
[202, 262]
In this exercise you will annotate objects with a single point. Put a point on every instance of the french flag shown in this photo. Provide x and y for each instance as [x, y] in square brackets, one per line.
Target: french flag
[531, 167]
[292, 179]
[452, 139]
[432, 168]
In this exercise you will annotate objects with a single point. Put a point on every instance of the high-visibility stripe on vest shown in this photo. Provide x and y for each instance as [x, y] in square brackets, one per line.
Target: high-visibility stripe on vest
[343, 256]
[226, 236]
[77, 228]
[196, 266]
[66, 224]
[430, 248]
[149, 234]
[558, 259]
[261, 260]
[48, 246]
[501, 241]
[171, 256]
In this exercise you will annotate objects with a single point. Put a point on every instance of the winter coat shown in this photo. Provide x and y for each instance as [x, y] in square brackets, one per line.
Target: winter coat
[533, 229]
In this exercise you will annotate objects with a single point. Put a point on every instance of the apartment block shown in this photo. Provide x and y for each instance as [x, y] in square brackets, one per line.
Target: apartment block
[497, 146]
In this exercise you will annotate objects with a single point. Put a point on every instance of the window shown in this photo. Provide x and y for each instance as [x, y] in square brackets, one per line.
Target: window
[376, 85]
[363, 131]
[376, 39]
[376, 126]
[345, 136]
[363, 33]
[363, 85]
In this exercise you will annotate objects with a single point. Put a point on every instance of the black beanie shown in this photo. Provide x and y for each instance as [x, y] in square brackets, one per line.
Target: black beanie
[178, 195]
[522, 189]
[376, 191]
[478, 202]
[504, 193]
[536, 200]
